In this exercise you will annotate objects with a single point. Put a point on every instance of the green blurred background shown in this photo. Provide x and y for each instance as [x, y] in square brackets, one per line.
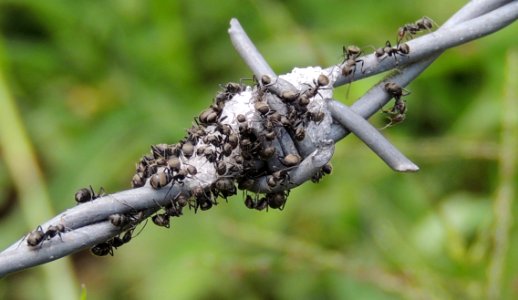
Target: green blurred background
[95, 83]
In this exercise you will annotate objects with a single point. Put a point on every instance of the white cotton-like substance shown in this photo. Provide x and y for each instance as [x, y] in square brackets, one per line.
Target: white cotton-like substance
[304, 79]
[239, 104]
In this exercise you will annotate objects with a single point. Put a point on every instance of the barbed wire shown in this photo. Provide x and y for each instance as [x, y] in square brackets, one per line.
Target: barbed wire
[89, 224]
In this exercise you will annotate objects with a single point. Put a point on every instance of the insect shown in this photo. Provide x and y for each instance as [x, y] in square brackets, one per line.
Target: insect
[241, 118]
[262, 107]
[208, 116]
[105, 248]
[317, 117]
[181, 200]
[265, 80]
[289, 96]
[291, 160]
[174, 163]
[85, 195]
[37, 236]
[54, 230]
[267, 152]
[261, 204]
[396, 114]
[188, 149]
[119, 220]
[388, 50]
[138, 180]
[351, 53]
[395, 90]
[326, 169]
[276, 200]
[160, 150]
[160, 179]
[102, 249]
[161, 220]
[224, 187]
[249, 202]
[411, 29]
[312, 91]
[278, 177]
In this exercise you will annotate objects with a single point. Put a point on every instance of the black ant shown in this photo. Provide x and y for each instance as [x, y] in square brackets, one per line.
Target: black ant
[397, 113]
[411, 29]
[395, 90]
[37, 236]
[85, 194]
[161, 220]
[388, 50]
[324, 170]
[312, 91]
[278, 177]
[351, 53]
[277, 200]
[102, 249]
[105, 248]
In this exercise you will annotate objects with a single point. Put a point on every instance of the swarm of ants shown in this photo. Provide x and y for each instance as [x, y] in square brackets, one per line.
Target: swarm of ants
[397, 113]
[237, 148]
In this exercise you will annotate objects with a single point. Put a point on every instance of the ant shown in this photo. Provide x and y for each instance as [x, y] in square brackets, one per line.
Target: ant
[84, 195]
[105, 248]
[312, 91]
[277, 200]
[161, 220]
[424, 23]
[395, 90]
[324, 170]
[401, 49]
[278, 177]
[397, 113]
[102, 249]
[351, 53]
[37, 236]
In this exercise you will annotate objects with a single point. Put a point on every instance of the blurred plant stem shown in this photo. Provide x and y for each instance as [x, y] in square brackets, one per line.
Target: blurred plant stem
[20, 159]
[502, 206]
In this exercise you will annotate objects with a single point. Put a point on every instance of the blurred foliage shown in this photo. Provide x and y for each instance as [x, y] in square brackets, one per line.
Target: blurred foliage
[96, 83]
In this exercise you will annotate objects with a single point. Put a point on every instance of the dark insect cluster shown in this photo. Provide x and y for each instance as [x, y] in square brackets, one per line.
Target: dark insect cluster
[235, 149]
[397, 113]
[240, 148]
